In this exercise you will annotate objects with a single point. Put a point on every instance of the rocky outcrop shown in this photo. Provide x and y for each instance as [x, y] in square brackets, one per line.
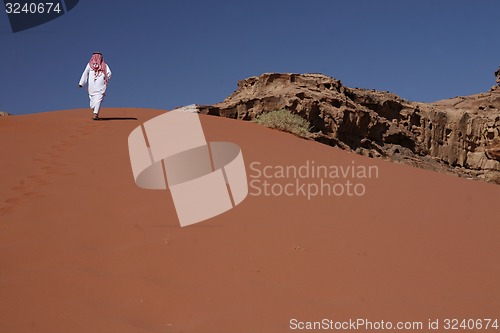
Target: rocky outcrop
[4, 114]
[459, 135]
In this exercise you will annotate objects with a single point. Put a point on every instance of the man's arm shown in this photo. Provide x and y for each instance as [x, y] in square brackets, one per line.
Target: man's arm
[85, 76]
[108, 70]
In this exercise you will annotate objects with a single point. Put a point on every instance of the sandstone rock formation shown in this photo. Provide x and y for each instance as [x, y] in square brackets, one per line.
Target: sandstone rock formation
[459, 135]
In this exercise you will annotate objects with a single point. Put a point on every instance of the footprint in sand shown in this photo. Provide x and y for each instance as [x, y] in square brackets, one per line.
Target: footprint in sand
[13, 203]
[26, 190]
[50, 165]
[10, 205]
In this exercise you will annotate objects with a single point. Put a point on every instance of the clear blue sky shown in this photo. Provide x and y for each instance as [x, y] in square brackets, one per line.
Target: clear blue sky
[167, 53]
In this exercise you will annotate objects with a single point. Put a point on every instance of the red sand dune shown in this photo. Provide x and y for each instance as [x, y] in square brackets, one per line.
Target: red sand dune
[83, 249]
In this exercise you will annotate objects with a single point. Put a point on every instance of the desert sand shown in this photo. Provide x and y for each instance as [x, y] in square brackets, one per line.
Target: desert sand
[83, 249]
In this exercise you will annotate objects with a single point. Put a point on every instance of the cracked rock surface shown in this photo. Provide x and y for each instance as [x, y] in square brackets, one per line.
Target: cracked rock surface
[459, 135]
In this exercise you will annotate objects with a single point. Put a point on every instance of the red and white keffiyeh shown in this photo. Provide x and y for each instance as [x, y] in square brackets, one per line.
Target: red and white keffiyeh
[98, 65]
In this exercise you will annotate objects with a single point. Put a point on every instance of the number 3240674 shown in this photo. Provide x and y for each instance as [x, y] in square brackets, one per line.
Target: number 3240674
[33, 8]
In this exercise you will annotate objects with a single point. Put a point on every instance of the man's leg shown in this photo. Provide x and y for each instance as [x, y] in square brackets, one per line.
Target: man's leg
[97, 108]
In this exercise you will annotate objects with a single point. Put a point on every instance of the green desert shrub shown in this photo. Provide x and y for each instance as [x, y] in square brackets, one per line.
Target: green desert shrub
[286, 121]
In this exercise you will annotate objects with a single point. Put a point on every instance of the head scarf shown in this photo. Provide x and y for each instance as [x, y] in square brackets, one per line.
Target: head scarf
[98, 65]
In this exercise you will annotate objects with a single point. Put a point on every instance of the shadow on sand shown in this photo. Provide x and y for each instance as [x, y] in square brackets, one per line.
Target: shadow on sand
[116, 118]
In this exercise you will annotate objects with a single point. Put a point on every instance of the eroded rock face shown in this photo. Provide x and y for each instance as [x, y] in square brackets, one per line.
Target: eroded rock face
[459, 135]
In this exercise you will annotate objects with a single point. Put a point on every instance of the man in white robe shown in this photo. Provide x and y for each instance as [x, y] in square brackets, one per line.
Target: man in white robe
[97, 74]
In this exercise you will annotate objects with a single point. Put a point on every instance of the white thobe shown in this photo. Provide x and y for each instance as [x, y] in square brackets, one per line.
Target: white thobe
[97, 86]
